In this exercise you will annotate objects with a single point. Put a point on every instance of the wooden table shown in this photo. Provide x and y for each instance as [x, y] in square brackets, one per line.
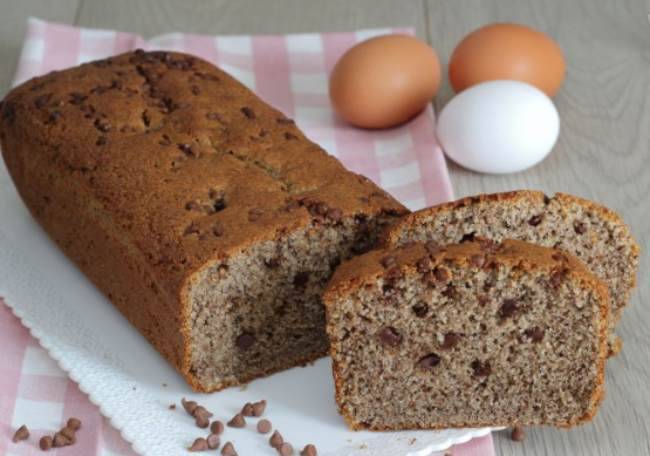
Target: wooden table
[603, 152]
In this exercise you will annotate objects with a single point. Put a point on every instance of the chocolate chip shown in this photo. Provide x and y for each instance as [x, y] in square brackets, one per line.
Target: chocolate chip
[202, 411]
[216, 427]
[245, 341]
[45, 443]
[192, 228]
[517, 434]
[248, 112]
[300, 279]
[213, 441]
[255, 214]
[9, 112]
[481, 369]
[579, 227]
[189, 406]
[423, 265]
[272, 263]
[309, 450]
[101, 141]
[508, 308]
[420, 310]
[200, 444]
[558, 256]
[285, 449]
[195, 90]
[289, 136]
[102, 125]
[217, 229]
[68, 433]
[237, 421]
[388, 261]
[467, 237]
[450, 292]
[477, 260]
[172, 407]
[186, 149]
[285, 121]
[54, 117]
[228, 450]
[60, 440]
[535, 334]
[22, 433]
[42, 100]
[77, 98]
[264, 426]
[450, 340]
[165, 141]
[429, 361]
[557, 277]
[276, 439]
[441, 274]
[259, 407]
[247, 409]
[389, 336]
[392, 274]
[535, 220]
[201, 421]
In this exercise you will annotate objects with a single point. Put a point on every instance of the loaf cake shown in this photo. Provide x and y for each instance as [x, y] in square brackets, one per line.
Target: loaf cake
[203, 214]
[466, 335]
[593, 233]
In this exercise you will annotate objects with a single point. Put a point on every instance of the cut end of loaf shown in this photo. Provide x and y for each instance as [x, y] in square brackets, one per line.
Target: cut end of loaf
[261, 311]
[465, 338]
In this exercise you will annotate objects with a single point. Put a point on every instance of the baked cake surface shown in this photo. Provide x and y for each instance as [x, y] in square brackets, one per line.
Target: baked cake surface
[590, 231]
[466, 335]
[203, 214]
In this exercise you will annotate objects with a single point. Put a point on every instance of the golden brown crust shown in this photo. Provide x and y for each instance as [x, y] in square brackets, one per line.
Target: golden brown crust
[391, 233]
[365, 269]
[173, 165]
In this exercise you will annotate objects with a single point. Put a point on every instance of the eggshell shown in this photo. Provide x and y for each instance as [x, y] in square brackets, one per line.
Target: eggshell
[384, 81]
[507, 51]
[498, 127]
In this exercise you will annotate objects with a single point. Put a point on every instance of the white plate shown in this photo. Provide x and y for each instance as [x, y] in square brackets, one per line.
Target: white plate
[126, 377]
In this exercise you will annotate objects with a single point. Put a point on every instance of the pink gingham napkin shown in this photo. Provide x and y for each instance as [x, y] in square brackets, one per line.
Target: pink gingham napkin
[289, 72]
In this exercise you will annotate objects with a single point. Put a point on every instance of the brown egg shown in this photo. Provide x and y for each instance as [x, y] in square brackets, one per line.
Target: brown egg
[507, 51]
[384, 81]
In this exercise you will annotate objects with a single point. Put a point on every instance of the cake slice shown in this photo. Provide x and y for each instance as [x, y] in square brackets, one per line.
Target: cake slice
[473, 334]
[593, 233]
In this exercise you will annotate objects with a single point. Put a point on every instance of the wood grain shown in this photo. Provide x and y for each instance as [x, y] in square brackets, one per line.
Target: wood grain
[603, 151]
[250, 16]
[602, 154]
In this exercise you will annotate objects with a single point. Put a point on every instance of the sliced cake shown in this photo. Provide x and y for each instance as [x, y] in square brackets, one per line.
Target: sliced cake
[593, 233]
[473, 334]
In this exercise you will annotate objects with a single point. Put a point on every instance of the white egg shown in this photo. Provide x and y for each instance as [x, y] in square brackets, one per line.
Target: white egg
[499, 127]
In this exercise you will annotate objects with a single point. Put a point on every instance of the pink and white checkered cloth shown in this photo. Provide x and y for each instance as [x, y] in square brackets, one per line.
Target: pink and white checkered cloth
[289, 72]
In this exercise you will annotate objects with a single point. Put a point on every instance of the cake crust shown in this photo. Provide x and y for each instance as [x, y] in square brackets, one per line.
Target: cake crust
[150, 168]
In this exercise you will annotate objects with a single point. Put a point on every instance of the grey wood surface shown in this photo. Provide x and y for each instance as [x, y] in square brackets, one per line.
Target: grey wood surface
[602, 154]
